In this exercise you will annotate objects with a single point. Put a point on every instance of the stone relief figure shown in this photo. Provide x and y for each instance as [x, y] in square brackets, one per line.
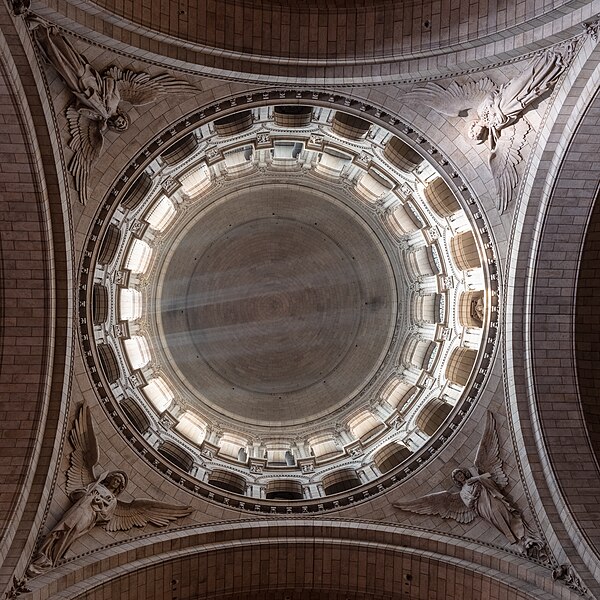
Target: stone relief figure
[478, 310]
[480, 495]
[100, 97]
[95, 496]
[499, 110]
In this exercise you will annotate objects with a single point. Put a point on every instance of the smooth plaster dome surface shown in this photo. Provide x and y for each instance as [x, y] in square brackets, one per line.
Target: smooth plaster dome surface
[277, 304]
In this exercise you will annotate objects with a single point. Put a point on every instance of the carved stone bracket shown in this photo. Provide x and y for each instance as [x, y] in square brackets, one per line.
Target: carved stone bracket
[566, 573]
[592, 29]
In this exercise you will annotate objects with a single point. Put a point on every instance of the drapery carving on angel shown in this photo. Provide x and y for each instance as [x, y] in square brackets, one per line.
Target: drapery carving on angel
[100, 97]
[480, 495]
[499, 109]
[94, 493]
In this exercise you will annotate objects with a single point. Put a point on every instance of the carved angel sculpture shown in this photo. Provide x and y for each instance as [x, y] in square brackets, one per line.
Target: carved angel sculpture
[480, 494]
[499, 111]
[99, 96]
[94, 494]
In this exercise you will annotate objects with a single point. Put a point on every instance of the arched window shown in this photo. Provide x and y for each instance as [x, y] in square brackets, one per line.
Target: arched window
[137, 192]
[433, 415]
[441, 199]
[391, 456]
[136, 416]
[365, 425]
[401, 155]
[292, 116]
[180, 150]
[422, 262]
[464, 251]
[161, 214]
[159, 394]
[225, 480]
[110, 244]
[397, 393]
[460, 365]
[234, 124]
[402, 220]
[99, 303]
[191, 427]
[349, 126]
[176, 455]
[108, 360]
[284, 489]
[340, 481]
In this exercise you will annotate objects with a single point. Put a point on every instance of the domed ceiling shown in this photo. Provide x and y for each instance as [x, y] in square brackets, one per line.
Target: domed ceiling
[288, 303]
[275, 305]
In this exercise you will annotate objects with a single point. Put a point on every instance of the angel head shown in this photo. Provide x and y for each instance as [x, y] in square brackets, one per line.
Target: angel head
[460, 476]
[478, 131]
[118, 122]
[115, 481]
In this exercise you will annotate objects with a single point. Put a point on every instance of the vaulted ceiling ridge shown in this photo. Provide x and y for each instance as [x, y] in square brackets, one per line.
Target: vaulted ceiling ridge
[31, 456]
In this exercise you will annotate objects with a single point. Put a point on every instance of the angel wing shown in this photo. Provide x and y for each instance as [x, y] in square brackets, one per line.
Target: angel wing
[141, 88]
[447, 505]
[503, 161]
[142, 511]
[454, 100]
[86, 143]
[83, 460]
[488, 453]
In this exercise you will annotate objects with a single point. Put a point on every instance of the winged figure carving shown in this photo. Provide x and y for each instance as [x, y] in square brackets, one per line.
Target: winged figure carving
[499, 110]
[480, 495]
[100, 98]
[95, 496]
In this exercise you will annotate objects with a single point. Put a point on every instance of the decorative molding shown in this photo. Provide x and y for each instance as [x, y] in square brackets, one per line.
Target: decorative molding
[567, 575]
[591, 29]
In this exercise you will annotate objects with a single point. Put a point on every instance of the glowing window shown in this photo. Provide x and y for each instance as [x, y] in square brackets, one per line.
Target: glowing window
[161, 214]
[323, 446]
[230, 445]
[398, 393]
[159, 394]
[137, 351]
[332, 162]
[373, 186]
[191, 427]
[195, 181]
[130, 305]
[364, 424]
[139, 256]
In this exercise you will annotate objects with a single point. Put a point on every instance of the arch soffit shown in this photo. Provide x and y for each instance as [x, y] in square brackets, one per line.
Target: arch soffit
[540, 380]
[39, 405]
[426, 60]
[404, 551]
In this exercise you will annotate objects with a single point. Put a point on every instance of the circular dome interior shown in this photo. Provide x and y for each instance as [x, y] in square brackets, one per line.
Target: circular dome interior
[276, 304]
[289, 303]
